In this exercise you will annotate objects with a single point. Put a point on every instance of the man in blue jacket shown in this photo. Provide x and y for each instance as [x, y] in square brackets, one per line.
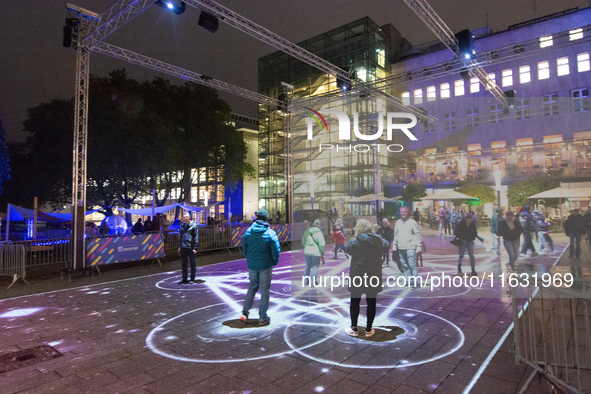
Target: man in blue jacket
[261, 248]
[189, 239]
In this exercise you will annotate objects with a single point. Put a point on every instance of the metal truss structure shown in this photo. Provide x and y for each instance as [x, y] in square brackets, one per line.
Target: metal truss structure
[437, 26]
[288, 150]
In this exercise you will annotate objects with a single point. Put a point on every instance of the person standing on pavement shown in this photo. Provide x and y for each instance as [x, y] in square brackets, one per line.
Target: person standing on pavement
[366, 262]
[494, 229]
[416, 215]
[407, 241]
[447, 223]
[387, 233]
[261, 248]
[339, 239]
[189, 241]
[510, 230]
[455, 219]
[441, 217]
[527, 224]
[313, 243]
[467, 233]
[573, 229]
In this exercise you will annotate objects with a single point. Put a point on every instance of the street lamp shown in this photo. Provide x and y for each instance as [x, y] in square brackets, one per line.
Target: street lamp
[498, 174]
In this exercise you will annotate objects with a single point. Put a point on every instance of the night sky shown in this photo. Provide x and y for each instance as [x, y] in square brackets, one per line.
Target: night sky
[35, 68]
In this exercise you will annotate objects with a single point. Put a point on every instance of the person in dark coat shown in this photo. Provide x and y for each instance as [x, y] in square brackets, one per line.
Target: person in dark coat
[527, 224]
[189, 241]
[467, 233]
[416, 215]
[387, 233]
[138, 227]
[574, 228]
[510, 230]
[366, 253]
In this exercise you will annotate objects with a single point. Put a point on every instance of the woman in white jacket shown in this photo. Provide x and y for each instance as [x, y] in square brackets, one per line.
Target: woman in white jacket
[313, 242]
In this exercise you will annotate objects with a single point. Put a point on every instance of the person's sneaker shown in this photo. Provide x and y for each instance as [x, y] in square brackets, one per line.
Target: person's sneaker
[474, 273]
[352, 331]
[369, 333]
[183, 282]
[264, 322]
[191, 282]
[244, 317]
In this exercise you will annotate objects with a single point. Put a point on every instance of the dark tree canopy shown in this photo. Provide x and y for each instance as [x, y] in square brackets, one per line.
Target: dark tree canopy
[520, 191]
[413, 192]
[484, 193]
[141, 136]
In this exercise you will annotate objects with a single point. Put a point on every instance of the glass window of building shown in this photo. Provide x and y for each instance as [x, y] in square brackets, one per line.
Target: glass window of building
[545, 41]
[450, 120]
[507, 77]
[496, 113]
[550, 102]
[580, 100]
[431, 152]
[472, 117]
[474, 149]
[575, 34]
[583, 62]
[543, 70]
[524, 74]
[474, 85]
[492, 77]
[553, 141]
[562, 66]
[498, 146]
[522, 110]
[451, 149]
[381, 57]
[431, 93]
[459, 87]
[444, 90]
[524, 144]
[406, 98]
[418, 96]
[429, 127]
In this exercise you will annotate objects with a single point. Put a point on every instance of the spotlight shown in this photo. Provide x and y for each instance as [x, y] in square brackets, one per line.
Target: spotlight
[466, 43]
[176, 6]
[510, 94]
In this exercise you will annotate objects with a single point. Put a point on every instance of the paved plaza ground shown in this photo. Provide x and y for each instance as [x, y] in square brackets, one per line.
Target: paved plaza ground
[148, 334]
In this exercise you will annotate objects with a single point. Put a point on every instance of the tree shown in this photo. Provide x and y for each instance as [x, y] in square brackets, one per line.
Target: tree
[4, 165]
[413, 192]
[520, 191]
[484, 193]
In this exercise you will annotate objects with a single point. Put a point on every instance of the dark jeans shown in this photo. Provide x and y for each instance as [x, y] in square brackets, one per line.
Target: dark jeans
[187, 256]
[549, 242]
[262, 280]
[574, 249]
[447, 227]
[355, 308]
[338, 247]
[453, 226]
[527, 243]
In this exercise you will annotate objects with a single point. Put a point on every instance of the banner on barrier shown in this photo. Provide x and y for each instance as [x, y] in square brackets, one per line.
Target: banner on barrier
[111, 250]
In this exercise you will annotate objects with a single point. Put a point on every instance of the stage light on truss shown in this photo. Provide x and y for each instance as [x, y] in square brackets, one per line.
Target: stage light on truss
[176, 6]
[208, 21]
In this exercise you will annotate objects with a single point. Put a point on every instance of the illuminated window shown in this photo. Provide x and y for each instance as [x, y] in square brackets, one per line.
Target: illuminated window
[524, 144]
[450, 120]
[431, 93]
[576, 34]
[418, 96]
[498, 146]
[431, 151]
[381, 54]
[553, 141]
[474, 149]
[583, 62]
[444, 90]
[562, 66]
[491, 77]
[524, 75]
[522, 109]
[406, 98]
[543, 70]
[472, 117]
[459, 87]
[580, 100]
[507, 77]
[474, 85]
[496, 113]
[545, 41]
[451, 149]
[362, 74]
[550, 102]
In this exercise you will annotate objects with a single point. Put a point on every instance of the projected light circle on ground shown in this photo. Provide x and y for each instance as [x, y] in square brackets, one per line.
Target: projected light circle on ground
[170, 283]
[307, 351]
[165, 334]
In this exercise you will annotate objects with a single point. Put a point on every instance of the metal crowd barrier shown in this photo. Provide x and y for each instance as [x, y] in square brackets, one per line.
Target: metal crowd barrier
[12, 262]
[210, 238]
[552, 335]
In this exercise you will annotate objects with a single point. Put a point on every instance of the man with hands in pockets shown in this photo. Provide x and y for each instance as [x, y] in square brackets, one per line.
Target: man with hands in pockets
[407, 240]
